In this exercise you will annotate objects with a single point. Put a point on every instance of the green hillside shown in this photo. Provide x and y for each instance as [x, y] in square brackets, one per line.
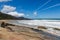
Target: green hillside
[4, 16]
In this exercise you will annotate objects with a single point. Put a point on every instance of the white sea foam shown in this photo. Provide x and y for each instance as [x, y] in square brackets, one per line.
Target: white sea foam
[46, 23]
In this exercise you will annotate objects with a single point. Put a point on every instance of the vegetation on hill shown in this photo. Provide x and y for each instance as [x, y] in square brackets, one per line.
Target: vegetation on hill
[6, 16]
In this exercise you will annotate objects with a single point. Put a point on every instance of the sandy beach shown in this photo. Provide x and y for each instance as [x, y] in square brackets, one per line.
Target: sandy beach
[25, 33]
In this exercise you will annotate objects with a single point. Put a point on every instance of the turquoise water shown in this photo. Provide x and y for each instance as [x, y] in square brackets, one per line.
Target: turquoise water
[47, 18]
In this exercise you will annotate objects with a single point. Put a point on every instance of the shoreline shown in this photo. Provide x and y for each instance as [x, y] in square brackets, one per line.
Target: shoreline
[29, 26]
[31, 32]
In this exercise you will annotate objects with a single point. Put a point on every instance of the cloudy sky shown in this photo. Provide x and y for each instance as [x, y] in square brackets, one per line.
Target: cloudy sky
[31, 8]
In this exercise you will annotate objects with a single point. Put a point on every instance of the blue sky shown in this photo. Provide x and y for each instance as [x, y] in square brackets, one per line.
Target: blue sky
[35, 8]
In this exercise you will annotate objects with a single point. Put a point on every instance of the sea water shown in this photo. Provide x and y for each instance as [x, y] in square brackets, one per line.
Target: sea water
[46, 23]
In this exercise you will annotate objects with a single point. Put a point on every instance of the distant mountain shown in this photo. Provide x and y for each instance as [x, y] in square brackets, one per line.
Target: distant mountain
[4, 16]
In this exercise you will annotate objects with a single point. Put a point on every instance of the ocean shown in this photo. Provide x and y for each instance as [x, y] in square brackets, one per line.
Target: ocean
[46, 23]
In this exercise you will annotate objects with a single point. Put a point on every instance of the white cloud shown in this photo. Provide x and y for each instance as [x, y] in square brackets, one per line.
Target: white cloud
[16, 14]
[7, 9]
[11, 11]
[35, 13]
[5, 0]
